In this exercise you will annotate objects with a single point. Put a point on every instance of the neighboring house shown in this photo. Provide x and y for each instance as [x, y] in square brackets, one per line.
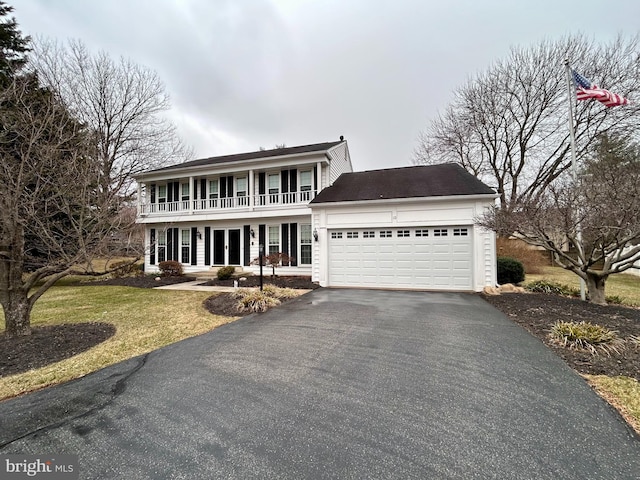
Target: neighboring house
[407, 227]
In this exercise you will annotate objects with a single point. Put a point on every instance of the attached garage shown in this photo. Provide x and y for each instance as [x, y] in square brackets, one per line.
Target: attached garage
[407, 228]
[402, 257]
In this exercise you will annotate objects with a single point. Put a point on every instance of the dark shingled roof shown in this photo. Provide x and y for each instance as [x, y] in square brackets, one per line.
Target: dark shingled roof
[408, 182]
[276, 152]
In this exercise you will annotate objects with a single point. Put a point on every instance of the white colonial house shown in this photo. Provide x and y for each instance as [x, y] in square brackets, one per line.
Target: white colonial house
[407, 227]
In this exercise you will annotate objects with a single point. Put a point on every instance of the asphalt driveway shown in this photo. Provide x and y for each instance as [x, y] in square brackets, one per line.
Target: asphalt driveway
[336, 384]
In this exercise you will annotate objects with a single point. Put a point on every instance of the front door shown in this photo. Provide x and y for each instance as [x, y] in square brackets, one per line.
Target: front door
[226, 247]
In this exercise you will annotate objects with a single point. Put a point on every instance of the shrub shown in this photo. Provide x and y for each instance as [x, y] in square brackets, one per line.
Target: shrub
[277, 292]
[532, 260]
[510, 270]
[615, 299]
[125, 269]
[551, 287]
[586, 336]
[170, 268]
[250, 300]
[225, 273]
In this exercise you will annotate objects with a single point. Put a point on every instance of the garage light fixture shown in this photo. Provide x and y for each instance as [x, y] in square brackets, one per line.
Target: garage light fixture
[315, 234]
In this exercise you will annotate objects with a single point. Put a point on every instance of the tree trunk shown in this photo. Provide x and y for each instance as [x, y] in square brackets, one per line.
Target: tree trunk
[17, 314]
[595, 287]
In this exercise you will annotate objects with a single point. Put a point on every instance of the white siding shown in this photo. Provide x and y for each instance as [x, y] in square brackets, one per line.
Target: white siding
[340, 162]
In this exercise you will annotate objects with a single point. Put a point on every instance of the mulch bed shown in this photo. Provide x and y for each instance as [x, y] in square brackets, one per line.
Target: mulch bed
[537, 313]
[50, 344]
[285, 281]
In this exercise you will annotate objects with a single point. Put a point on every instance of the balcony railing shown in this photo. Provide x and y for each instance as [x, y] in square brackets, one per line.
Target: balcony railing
[213, 204]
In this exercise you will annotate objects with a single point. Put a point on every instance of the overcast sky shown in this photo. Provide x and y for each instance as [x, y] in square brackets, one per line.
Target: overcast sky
[244, 74]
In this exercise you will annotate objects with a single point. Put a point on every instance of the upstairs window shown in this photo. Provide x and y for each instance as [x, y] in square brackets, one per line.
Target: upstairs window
[162, 193]
[305, 181]
[213, 188]
[241, 187]
[184, 191]
[274, 183]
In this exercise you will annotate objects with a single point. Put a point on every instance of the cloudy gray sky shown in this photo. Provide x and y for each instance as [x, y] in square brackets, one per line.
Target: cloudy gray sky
[249, 73]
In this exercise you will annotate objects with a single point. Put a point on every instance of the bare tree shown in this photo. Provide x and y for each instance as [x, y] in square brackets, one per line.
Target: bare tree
[52, 216]
[508, 125]
[598, 215]
[122, 102]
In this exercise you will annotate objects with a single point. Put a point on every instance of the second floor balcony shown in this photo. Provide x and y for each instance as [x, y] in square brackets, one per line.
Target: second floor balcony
[243, 202]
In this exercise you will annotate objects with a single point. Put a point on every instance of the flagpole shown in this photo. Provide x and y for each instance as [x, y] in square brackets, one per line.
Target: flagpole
[574, 170]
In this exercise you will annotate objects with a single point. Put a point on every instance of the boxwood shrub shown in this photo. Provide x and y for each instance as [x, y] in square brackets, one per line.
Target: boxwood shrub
[510, 270]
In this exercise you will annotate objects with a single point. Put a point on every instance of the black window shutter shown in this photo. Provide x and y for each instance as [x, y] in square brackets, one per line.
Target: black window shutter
[176, 244]
[293, 228]
[194, 245]
[207, 245]
[176, 191]
[203, 188]
[293, 180]
[195, 189]
[229, 186]
[284, 247]
[223, 187]
[152, 246]
[285, 181]
[261, 238]
[315, 177]
[170, 192]
[247, 245]
[169, 248]
[152, 192]
[262, 183]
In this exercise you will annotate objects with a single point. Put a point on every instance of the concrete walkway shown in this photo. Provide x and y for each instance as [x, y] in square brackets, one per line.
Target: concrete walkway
[336, 384]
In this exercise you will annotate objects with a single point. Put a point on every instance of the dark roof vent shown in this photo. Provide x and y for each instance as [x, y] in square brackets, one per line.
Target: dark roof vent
[342, 138]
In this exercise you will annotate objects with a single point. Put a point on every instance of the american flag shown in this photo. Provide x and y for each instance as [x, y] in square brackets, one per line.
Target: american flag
[587, 90]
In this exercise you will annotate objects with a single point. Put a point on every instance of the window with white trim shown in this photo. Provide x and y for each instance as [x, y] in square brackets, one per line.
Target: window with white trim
[440, 232]
[403, 233]
[186, 245]
[385, 234]
[422, 232]
[352, 234]
[274, 239]
[369, 234]
[336, 234]
[184, 192]
[305, 244]
[274, 183]
[241, 187]
[213, 189]
[306, 180]
[460, 232]
[162, 193]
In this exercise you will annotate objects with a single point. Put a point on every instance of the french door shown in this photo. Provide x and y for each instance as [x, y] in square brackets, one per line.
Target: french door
[226, 246]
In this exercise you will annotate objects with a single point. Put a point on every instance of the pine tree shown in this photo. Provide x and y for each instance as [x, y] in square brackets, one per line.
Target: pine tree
[13, 45]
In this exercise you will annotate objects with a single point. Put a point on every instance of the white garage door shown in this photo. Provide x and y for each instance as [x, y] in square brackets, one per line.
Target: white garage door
[434, 258]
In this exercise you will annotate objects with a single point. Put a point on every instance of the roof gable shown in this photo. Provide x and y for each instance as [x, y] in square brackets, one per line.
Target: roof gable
[443, 180]
[259, 154]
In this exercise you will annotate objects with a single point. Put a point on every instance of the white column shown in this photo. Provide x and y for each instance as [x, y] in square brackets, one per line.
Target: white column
[252, 192]
[319, 185]
[191, 197]
[139, 198]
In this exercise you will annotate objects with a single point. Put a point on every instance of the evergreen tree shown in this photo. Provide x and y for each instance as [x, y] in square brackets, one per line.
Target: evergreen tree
[13, 46]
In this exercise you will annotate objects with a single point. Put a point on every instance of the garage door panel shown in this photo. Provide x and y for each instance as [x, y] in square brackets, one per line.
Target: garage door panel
[429, 262]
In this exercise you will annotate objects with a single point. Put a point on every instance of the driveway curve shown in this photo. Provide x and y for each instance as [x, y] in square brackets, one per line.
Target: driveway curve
[336, 384]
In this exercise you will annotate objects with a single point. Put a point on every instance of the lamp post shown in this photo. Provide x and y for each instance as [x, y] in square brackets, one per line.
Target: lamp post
[261, 253]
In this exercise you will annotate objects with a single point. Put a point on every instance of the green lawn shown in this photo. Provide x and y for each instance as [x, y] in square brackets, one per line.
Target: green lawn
[145, 319]
[623, 285]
